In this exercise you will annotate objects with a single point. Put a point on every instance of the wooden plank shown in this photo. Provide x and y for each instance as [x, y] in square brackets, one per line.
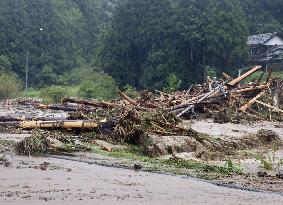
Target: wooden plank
[269, 106]
[245, 75]
[260, 87]
[251, 102]
[226, 76]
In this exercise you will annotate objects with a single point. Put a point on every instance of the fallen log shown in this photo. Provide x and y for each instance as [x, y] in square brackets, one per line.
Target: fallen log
[71, 124]
[65, 108]
[88, 102]
[218, 90]
[56, 107]
[251, 102]
[28, 118]
[200, 100]
[127, 98]
[254, 88]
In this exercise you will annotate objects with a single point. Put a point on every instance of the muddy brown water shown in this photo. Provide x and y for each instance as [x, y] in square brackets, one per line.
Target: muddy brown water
[64, 181]
[207, 126]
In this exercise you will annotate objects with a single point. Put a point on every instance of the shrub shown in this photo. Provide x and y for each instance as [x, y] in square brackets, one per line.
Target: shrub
[211, 71]
[53, 94]
[98, 85]
[130, 91]
[10, 86]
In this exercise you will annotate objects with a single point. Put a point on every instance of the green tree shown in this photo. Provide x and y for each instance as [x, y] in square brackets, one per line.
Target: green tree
[173, 83]
[137, 31]
[5, 63]
[10, 86]
[99, 86]
[226, 35]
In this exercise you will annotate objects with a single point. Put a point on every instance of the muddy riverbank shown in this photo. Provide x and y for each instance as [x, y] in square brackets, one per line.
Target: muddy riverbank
[26, 181]
[223, 156]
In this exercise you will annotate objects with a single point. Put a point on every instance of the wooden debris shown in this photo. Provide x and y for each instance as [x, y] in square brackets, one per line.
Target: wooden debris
[127, 98]
[216, 95]
[252, 101]
[88, 102]
[76, 124]
[242, 77]
[269, 106]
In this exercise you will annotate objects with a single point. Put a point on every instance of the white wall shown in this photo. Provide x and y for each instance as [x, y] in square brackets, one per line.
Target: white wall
[276, 40]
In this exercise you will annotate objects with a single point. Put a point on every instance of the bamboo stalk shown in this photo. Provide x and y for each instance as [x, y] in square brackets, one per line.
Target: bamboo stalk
[269, 106]
[76, 124]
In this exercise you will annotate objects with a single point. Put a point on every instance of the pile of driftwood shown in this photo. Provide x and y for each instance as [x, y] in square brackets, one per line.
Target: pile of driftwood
[259, 99]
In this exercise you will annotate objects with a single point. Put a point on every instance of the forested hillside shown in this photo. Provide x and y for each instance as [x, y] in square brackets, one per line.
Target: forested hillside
[147, 44]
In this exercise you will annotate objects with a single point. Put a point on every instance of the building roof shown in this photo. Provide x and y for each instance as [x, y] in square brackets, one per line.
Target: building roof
[260, 38]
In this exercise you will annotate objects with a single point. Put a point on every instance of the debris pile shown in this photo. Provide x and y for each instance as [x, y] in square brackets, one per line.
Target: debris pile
[127, 120]
[46, 142]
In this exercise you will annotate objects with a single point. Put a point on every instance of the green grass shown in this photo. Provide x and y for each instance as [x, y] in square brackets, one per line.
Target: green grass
[189, 167]
[32, 94]
[7, 143]
[257, 75]
[278, 74]
[35, 93]
[72, 90]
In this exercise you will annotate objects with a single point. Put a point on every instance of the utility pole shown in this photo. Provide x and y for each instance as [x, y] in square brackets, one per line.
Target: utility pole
[26, 88]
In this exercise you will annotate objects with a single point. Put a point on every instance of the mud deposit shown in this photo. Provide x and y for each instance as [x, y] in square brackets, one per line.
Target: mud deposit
[94, 177]
[25, 182]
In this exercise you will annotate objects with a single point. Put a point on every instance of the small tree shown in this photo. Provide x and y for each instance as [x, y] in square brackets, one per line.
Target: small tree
[211, 71]
[173, 83]
[10, 86]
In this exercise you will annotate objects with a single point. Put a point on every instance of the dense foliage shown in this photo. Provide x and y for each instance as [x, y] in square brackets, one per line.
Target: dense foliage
[153, 44]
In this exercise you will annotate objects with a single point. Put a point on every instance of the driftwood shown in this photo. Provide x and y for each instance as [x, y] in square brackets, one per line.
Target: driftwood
[71, 124]
[217, 90]
[88, 102]
[68, 108]
[253, 88]
[29, 118]
[222, 94]
[252, 101]
[127, 98]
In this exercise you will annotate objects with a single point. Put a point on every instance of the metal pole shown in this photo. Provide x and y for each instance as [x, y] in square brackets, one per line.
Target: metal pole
[26, 88]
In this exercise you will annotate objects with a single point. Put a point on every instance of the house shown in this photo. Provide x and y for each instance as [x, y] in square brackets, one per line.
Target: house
[266, 49]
